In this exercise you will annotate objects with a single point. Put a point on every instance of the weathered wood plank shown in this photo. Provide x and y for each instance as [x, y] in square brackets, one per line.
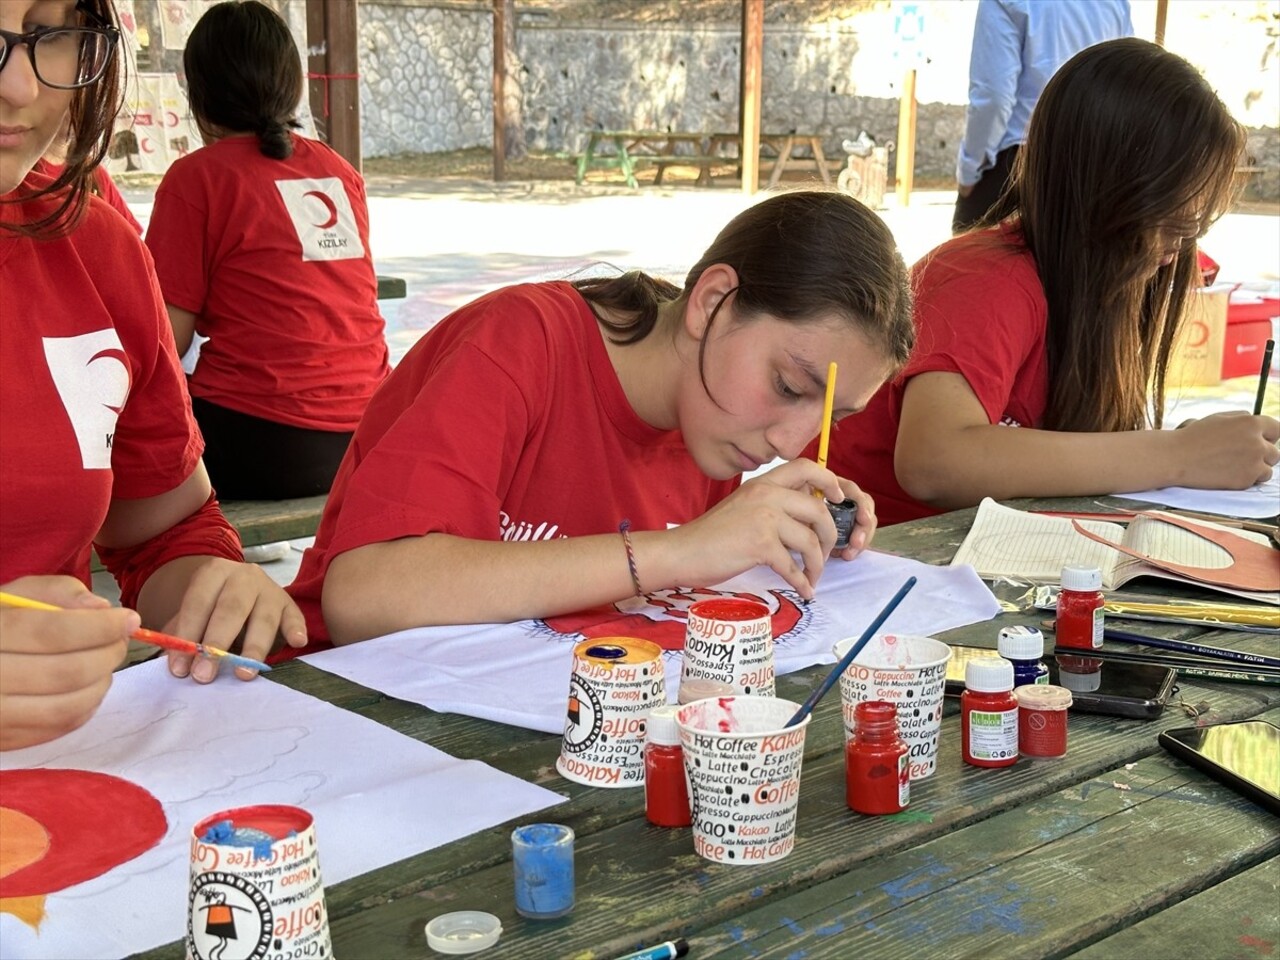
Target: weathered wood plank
[1238, 918]
[1033, 882]
[270, 521]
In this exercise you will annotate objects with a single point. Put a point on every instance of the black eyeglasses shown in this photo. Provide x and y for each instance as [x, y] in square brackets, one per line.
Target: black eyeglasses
[64, 58]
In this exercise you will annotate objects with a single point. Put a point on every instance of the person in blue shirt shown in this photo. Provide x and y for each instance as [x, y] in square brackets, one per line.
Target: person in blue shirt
[1017, 46]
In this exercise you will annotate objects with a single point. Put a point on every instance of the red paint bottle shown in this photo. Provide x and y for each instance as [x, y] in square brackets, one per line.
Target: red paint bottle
[1080, 616]
[666, 792]
[989, 714]
[876, 773]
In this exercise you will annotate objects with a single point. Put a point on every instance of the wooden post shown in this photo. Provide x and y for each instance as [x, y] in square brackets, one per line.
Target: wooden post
[341, 31]
[317, 66]
[749, 99]
[906, 168]
[499, 89]
[1162, 18]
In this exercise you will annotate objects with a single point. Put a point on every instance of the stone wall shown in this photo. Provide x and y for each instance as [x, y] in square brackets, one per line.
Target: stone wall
[426, 79]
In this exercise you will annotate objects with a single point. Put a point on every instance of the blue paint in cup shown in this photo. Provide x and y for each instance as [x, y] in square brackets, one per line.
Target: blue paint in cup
[543, 857]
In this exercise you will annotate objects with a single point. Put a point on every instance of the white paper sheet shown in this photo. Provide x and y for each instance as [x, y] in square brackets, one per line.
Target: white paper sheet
[1260, 500]
[377, 796]
[519, 673]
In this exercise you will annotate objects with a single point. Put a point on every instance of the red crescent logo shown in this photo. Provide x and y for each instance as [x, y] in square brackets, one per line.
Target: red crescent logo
[145, 145]
[329, 205]
[115, 354]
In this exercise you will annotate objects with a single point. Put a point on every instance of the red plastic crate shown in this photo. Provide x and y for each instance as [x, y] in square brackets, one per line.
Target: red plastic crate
[1248, 328]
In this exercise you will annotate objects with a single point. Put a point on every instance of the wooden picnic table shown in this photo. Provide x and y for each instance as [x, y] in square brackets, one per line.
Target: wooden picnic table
[626, 149]
[1117, 849]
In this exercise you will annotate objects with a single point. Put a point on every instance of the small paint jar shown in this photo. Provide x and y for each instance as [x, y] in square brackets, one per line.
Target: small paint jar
[1079, 674]
[844, 514]
[1080, 603]
[1023, 647]
[989, 714]
[1042, 720]
[666, 792]
[877, 777]
[543, 857]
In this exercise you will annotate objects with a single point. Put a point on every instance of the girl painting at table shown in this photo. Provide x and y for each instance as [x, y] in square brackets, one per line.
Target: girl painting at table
[261, 243]
[97, 445]
[492, 473]
[1044, 336]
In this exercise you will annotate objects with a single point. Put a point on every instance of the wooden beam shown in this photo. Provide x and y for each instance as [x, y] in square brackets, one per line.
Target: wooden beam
[342, 31]
[1162, 18]
[906, 168]
[749, 95]
[317, 66]
[499, 89]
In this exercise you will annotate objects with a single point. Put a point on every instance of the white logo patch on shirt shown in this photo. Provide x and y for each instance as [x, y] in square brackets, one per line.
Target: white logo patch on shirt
[91, 374]
[322, 216]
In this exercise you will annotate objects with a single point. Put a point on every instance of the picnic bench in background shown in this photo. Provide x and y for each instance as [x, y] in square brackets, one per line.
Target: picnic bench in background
[270, 521]
[625, 150]
[391, 288]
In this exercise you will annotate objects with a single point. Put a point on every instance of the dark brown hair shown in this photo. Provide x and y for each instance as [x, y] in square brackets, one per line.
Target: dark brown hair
[799, 257]
[1127, 148]
[244, 75]
[92, 115]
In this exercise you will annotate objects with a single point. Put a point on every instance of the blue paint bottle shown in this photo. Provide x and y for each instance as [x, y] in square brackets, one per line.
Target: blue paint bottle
[543, 857]
[1023, 647]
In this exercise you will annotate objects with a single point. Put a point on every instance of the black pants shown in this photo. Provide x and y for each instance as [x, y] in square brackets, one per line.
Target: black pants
[971, 209]
[249, 458]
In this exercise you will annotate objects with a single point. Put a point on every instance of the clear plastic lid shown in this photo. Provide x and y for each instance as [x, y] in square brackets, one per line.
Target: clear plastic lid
[1085, 579]
[661, 727]
[1043, 696]
[1080, 682]
[988, 675]
[466, 931]
[1021, 643]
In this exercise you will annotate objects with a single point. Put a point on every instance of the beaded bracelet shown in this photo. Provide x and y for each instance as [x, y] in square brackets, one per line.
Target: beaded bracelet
[624, 528]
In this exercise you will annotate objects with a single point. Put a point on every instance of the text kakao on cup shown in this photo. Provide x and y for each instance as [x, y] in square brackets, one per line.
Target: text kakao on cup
[743, 767]
[911, 673]
[730, 640]
[615, 682]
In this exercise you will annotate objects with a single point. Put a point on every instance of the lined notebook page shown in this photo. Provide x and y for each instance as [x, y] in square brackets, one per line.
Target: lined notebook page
[1004, 542]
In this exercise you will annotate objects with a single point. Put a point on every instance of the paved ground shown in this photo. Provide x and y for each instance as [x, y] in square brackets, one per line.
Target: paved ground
[452, 241]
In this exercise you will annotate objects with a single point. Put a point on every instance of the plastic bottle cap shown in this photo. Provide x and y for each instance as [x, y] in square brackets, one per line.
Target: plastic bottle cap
[1043, 696]
[691, 690]
[1021, 643]
[1087, 579]
[661, 726]
[988, 675]
[466, 931]
[1080, 682]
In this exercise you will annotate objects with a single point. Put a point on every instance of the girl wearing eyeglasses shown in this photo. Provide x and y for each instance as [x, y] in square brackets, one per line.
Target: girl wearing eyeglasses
[1044, 336]
[97, 444]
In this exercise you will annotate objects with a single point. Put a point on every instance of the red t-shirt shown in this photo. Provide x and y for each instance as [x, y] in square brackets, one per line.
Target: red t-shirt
[103, 185]
[92, 401]
[505, 422]
[272, 256]
[980, 312]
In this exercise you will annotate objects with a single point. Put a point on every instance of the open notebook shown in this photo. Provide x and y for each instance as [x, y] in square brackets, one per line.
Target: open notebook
[1004, 542]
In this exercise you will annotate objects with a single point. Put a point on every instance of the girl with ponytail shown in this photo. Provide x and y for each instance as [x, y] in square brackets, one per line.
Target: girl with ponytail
[261, 243]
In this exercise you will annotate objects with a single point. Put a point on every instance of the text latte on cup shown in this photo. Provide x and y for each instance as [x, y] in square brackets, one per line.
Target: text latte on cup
[743, 768]
[730, 640]
[909, 672]
[615, 682]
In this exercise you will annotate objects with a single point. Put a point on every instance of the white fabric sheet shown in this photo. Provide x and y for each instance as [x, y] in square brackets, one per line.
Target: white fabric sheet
[518, 673]
[1260, 500]
[377, 796]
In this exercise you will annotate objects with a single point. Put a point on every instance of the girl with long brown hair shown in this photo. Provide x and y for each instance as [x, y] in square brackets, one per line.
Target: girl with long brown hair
[1058, 314]
[99, 447]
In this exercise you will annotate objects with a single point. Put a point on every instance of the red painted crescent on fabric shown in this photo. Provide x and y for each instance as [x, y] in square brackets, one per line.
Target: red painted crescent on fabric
[93, 821]
[668, 632]
[329, 204]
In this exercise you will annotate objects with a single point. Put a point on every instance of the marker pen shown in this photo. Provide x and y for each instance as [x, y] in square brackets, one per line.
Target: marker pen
[663, 951]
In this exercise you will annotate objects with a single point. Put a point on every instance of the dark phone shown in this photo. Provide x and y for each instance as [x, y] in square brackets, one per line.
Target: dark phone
[1138, 690]
[1244, 755]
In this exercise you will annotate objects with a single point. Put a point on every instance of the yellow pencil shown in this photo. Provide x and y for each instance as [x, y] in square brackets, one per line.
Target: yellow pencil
[824, 441]
[142, 634]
